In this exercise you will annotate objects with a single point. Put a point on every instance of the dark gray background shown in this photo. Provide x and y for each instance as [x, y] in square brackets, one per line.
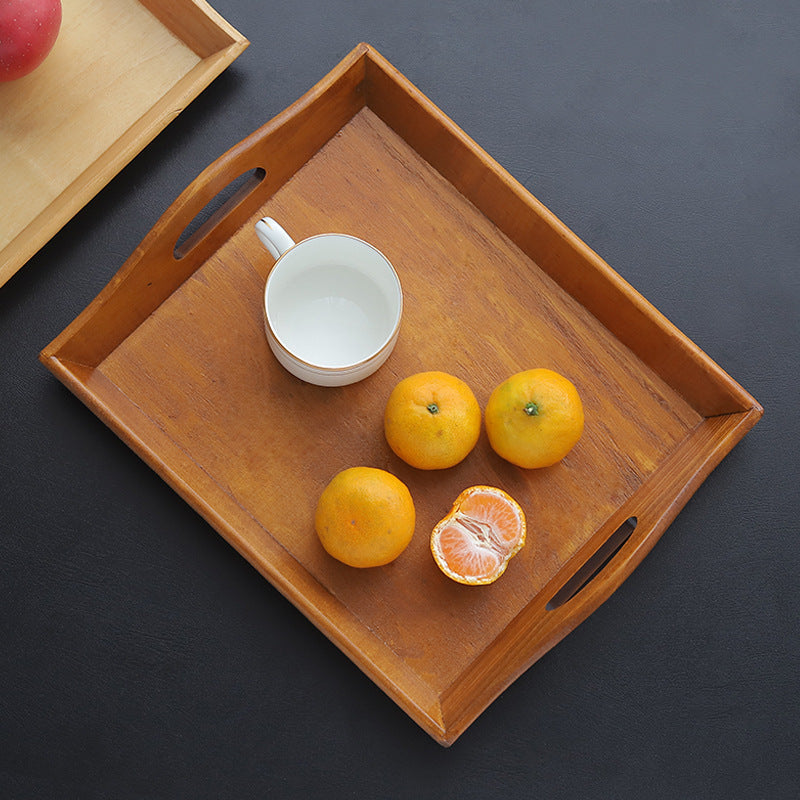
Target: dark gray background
[142, 657]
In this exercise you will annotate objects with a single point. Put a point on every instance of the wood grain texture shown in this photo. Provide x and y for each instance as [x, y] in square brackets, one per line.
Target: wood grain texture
[74, 122]
[172, 355]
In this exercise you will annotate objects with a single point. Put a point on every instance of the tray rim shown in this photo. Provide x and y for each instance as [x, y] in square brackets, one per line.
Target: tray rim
[214, 59]
[71, 357]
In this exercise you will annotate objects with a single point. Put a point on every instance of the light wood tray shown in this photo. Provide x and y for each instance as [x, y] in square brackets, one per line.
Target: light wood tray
[120, 71]
[172, 356]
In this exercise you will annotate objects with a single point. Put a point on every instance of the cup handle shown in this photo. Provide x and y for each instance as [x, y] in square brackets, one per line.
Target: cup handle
[273, 237]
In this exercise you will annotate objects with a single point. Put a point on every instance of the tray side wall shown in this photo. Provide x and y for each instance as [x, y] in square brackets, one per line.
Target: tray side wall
[153, 272]
[197, 24]
[655, 506]
[246, 535]
[549, 243]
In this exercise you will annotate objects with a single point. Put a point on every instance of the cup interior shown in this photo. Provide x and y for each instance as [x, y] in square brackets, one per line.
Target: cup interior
[333, 301]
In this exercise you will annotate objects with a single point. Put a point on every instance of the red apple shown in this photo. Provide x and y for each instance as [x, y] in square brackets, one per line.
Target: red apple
[28, 31]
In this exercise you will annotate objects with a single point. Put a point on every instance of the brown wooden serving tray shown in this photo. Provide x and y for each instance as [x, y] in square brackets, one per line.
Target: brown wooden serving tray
[120, 71]
[172, 356]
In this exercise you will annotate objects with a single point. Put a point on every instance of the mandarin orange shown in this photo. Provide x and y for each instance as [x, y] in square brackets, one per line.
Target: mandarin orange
[365, 517]
[534, 418]
[432, 420]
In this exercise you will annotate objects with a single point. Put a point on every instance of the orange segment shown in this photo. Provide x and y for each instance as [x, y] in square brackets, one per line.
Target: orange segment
[484, 530]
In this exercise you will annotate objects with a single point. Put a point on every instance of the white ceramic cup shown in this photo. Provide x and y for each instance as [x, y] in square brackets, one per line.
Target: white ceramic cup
[332, 305]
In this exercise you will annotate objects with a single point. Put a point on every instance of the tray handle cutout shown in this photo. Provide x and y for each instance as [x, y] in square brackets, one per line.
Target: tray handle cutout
[216, 209]
[594, 565]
